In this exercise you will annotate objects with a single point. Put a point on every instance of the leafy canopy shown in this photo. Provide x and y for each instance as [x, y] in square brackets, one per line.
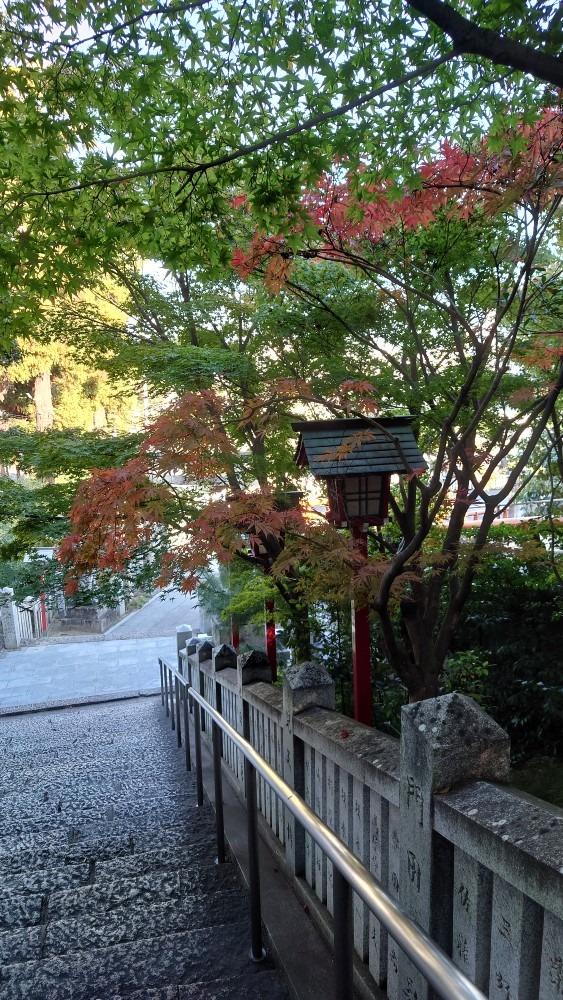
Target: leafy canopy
[129, 126]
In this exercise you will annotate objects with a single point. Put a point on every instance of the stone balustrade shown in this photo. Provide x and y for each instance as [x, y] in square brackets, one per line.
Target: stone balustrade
[477, 863]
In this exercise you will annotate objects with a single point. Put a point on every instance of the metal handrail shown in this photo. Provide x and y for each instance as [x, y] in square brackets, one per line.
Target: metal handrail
[437, 967]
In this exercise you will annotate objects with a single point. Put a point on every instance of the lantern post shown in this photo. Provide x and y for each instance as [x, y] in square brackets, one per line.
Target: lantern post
[361, 658]
[271, 646]
[285, 501]
[356, 459]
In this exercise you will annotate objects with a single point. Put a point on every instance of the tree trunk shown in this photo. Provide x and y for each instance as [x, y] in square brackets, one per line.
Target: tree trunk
[301, 631]
[99, 420]
[43, 400]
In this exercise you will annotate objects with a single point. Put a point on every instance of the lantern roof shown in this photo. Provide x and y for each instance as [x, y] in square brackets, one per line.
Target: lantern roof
[358, 447]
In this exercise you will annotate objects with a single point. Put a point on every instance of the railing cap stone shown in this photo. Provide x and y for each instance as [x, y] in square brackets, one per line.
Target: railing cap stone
[308, 684]
[204, 650]
[458, 739]
[253, 666]
[224, 656]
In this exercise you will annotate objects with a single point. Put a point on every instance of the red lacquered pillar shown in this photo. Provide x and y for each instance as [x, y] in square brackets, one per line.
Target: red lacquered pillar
[235, 633]
[361, 649]
[271, 638]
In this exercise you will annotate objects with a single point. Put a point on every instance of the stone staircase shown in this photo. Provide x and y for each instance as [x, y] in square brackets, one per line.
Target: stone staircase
[108, 882]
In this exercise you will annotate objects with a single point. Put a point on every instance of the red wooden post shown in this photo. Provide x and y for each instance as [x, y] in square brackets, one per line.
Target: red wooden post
[43, 610]
[271, 638]
[361, 661]
[235, 632]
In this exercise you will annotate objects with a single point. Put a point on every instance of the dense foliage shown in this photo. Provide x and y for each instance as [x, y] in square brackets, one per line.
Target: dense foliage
[129, 126]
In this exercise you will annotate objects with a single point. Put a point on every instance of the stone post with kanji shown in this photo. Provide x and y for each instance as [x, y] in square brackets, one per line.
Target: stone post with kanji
[305, 685]
[445, 742]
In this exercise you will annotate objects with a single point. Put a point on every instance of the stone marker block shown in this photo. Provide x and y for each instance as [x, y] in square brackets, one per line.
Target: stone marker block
[221, 633]
[9, 618]
[320, 809]
[309, 796]
[472, 898]
[183, 635]
[305, 685]
[395, 955]
[516, 943]
[379, 866]
[360, 845]
[332, 821]
[551, 983]
[445, 742]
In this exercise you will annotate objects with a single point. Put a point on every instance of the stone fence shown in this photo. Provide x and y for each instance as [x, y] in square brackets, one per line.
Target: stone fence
[476, 863]
[23, 621]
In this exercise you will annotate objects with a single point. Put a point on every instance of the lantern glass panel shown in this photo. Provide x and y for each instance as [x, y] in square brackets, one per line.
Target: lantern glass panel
[362, 496]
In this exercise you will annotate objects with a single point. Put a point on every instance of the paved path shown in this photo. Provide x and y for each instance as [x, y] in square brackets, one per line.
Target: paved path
[123, 661]
[159, 617]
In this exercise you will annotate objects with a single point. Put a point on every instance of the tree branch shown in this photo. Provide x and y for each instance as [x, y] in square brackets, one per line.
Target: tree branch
[276, 138]
[470, 39]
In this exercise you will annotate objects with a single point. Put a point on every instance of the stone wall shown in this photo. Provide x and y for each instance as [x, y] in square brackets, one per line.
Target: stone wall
[477, 864]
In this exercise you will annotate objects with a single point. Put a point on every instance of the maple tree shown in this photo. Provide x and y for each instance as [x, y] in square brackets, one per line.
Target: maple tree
[465, 276]
[432, 303]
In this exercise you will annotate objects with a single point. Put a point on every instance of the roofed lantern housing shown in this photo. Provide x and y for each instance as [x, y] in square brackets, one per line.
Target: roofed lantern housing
[357, 458]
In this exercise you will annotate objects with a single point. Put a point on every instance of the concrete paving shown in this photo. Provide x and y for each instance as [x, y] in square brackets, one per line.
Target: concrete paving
[122, 662]
[160, 616]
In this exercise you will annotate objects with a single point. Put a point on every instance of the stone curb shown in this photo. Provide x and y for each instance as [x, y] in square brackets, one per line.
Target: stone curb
[77, 702]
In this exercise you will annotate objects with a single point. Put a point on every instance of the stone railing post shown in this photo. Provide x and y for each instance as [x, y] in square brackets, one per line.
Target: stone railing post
[191, 660]
[305, 685]
[252, 666]
[204, 654]
[9, 618]
[183, 635]
[445, 742]
[222, 657]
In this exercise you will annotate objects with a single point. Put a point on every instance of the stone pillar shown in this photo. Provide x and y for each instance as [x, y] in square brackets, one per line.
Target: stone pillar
[445, 742]
[9, 617]
[204, 654]
[253, 666]
[221, 632]
[305, 685]
[191, 660]
[183, 634]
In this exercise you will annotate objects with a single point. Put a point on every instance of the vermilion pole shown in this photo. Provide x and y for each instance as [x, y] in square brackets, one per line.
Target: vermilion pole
[271, 638]
[43, 609]
[361, 649]
[235, 633]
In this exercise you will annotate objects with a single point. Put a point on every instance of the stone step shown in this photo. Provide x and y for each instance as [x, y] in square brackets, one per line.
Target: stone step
[109, 891]
[267, 985]
[132, 918]
[110, 756]
[85, 732]
[188, 957]
[151, 809]
[93, 870]
[55, 778]
[76, 844]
